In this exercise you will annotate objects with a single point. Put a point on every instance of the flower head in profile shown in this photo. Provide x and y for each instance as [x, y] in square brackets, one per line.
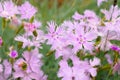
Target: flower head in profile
[8, 9]
[26, 10]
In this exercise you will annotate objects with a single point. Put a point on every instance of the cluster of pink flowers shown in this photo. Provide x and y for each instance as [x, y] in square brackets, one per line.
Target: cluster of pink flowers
[28, 66]
[85, 35]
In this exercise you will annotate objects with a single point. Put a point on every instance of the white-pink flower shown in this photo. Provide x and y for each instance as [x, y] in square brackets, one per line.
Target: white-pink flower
[99, 2]
[28, 67]
[8, 9]
[27, 10]
[81, 70]
[82, 40]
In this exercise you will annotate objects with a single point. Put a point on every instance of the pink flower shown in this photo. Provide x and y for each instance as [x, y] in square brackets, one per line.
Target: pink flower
[77, 16]
[34, 41]
[6, 73]
[99, 2]
[89, 20]
[25, 42]
[109, 32]
[109, 59]
[29, 67]
[62, 50]
[81, 70]
[8, 9]
[1, 41]
[96, 61]
[116, 67]
[113, 13]
[82, 39]
[54, 33]
[13, 54]
[30, 27]
[1, 68]
[27, 10]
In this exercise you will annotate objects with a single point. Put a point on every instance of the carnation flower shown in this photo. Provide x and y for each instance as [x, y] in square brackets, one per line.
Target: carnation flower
[8, 9]
[28, 67]
[81, 70]
[27, 10]
[54, 34]
[82, 39]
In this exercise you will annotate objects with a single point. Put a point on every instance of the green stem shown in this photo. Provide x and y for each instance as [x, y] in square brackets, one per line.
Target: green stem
[3, 25]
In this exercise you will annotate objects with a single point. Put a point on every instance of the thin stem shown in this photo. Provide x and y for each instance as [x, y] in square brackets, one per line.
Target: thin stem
[106, 40]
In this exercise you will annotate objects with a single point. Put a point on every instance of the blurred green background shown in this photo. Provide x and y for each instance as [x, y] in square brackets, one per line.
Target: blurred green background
[57, 10]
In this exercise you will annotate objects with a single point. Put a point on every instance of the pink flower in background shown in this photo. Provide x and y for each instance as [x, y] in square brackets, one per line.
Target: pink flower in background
[15, 21]
[89, 16]
[1, 41]
[116, 67]
[89, 20]
[8, 9]
[30, 27]
[29, 67]
[109, 59]
[99, 2]
[27, 10]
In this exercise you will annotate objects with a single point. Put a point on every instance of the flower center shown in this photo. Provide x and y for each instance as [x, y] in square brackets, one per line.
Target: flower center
[81, 39]
[29, 27]
[23, 66]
